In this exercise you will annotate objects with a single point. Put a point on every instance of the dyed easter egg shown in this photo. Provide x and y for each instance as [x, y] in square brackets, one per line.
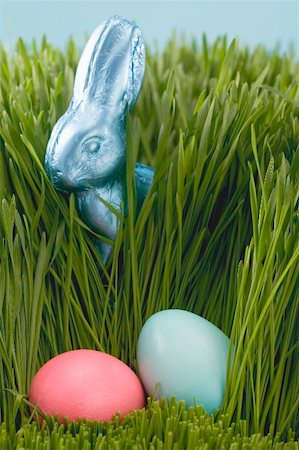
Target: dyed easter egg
[183, 355]
[86, 384]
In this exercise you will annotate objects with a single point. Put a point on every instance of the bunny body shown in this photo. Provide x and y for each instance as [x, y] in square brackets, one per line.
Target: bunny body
[87, 148]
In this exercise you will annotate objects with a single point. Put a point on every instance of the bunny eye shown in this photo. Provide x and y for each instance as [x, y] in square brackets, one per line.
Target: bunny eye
[92, 144]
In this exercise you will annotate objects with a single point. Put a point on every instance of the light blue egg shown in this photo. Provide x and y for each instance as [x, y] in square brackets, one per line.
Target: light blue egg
[186, 355]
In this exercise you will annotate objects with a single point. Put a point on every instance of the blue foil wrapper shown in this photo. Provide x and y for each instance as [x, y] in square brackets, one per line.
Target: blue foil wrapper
[86, 151]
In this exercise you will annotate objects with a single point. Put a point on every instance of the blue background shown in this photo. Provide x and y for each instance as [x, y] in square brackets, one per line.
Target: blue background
[269, 22]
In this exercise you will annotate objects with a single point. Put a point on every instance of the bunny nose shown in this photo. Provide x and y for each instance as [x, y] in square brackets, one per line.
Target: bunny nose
[58, 179]
[62, 182]
[58, 173]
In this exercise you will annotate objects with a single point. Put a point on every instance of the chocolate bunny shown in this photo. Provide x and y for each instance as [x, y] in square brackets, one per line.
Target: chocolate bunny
[87, 148]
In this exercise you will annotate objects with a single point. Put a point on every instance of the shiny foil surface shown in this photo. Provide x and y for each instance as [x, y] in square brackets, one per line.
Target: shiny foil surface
[86, 151]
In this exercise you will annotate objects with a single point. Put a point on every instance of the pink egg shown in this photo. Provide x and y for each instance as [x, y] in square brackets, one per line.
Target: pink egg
[86, 384]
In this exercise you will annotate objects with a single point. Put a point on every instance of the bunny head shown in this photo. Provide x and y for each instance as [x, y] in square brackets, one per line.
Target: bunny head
[88, 143]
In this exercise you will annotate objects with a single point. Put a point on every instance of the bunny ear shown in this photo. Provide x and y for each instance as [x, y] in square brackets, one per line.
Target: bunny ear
[111, 68]
[137, 66]
[83, 66]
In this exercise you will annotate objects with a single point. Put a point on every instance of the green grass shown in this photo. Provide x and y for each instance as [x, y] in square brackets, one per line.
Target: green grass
[218, 235]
